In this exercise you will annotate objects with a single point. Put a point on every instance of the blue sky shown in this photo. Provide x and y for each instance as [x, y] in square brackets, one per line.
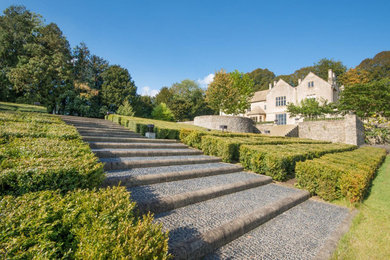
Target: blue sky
[163, 42]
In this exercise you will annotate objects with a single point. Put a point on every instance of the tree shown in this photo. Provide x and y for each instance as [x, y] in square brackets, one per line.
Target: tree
[367, 99]
[125, 109]
[230, 92]
[82, 69]
[164, 96]
[144, 106]
[377, 67]
[43, 71]
[98, 66]
[310, 108]
[354, 76]
[261, 78]
[162, 112]
[18, 27]
[117, 86]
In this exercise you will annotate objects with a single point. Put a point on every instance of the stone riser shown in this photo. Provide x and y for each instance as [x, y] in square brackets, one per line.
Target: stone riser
[97, 145]
[144, 153]
[126, 139]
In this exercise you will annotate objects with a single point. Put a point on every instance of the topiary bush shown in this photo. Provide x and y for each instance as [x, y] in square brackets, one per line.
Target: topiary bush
[347, 174]
[83, 224]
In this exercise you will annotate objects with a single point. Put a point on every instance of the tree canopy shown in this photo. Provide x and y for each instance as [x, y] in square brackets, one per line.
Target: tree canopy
[261, 78]
[230, 92]
[310, 108]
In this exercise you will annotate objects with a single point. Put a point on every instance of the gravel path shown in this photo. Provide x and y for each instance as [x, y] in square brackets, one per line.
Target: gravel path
[156, 191]
[165, 169]
[185, 223]
[298, 233]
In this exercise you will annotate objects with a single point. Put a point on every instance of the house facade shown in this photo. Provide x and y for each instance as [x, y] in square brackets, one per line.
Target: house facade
[271, 105]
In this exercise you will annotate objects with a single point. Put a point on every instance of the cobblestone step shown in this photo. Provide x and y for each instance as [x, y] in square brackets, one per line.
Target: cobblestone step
[125, 139]
[116, 153]
[198, 229]
[303, 232]
[153, 175]
[167, 196]
[101, 145]
[144, 162]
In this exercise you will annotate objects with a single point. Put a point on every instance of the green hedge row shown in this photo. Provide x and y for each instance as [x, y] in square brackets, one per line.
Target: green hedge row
[347, 174]
[83, 224]
[278, 161]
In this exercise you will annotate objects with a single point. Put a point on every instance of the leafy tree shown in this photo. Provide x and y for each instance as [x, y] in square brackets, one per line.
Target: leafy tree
[162, 112]
[230, 92]
[164, 96]
[261, 78]
[82, 70]
[144, 106]
[98, 66]
[43, 71]
[117, 86]
[17, 28]
[377, 67]
[310, 108]
[125, 109]
[354, 76]
[367, 99]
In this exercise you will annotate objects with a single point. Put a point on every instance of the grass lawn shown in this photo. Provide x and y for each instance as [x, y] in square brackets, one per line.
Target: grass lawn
[21, 107]
[369, 235]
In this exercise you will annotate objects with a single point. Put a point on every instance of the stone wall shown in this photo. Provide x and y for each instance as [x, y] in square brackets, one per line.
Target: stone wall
[349, 130]
[234, 123]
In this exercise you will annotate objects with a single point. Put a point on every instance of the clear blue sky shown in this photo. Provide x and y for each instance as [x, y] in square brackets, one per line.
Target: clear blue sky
[163, 42]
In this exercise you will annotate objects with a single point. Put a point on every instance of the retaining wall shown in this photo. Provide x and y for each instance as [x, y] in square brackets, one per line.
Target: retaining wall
[234, 123]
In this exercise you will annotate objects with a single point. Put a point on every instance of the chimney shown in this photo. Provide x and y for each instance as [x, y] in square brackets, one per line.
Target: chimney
[270, 85]
[274, 83]
[330, 76]
[299, 81]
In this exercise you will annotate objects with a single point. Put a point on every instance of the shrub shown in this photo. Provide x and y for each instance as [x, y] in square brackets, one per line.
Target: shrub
[162, 112]
[278, 161]
[347, 174]
[35, 164]
[81, 224]
[125, 109]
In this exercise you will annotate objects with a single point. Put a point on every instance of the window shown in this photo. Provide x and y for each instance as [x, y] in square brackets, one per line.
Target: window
[310, 84]
[254, 118]
[280, 101]
[311, 96]
[281, 119]
[265, 107]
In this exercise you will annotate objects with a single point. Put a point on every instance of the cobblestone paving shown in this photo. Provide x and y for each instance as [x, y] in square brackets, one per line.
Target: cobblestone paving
[155, 158]
[166, 169]
[186, 222]
[297, 233]
[145, 193]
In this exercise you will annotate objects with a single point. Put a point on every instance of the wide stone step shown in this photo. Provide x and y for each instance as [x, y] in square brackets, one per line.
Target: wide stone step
[166, 196]
[115, 153]
[103, 130]
[143, 162]
[101, 145]
[126, 139]
[110, 134]
[304, 232]
[198, 229]
[152, 175]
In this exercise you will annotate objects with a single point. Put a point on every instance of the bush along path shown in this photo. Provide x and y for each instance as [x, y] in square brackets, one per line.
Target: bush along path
[213, 209]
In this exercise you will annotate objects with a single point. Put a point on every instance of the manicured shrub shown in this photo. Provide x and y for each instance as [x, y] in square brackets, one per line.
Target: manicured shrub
[34, 164]
[347, 174]
[278, 161]
[81, 224]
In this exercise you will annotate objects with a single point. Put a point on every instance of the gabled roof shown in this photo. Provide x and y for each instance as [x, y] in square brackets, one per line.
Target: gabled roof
[256, 111]
[259, 96]
[311, 73]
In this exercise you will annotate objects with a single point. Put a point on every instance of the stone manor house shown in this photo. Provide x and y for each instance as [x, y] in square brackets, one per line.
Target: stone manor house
[271, 105]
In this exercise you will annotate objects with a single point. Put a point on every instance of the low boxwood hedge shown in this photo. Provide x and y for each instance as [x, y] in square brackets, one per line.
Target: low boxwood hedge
[347, 174]
[83, 224]
[278, 161]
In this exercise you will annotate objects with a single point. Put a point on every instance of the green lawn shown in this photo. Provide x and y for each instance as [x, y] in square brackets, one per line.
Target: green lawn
[369, 235]
[21, 107]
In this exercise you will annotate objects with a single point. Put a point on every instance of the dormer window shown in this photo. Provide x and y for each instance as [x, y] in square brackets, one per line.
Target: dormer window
[310, 84]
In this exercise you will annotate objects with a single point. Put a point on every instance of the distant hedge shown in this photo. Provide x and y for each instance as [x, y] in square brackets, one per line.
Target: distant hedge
[278, 161]
[83, 224]
[347, 174]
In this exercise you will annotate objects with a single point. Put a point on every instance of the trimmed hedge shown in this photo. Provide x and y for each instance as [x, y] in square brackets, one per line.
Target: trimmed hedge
[229, 148]
[40, 152]
[83, 224]
[278, 161]
[21, 107]
[347, 174]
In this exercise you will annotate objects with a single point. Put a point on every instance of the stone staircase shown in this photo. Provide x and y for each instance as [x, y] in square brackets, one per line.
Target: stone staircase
[213, 210]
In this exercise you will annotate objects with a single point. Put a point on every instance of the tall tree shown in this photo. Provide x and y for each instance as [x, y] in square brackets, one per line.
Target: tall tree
[117, 86]
[261, 78]
[377, 67]
[164, 96]
[230, 92]
[18, 27]
[82, 69]
[98, 66]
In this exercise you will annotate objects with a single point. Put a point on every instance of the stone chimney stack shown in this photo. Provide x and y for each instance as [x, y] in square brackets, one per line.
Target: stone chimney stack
[270, 85]
[274, 83]
[330, 76]
[299, 81]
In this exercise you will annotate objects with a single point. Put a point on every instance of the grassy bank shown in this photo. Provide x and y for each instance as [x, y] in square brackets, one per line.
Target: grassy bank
[6, 106]
[369, 235]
